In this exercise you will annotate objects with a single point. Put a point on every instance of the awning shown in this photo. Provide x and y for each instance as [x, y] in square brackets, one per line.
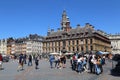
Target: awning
[102, 53]
[69, 53]
[55, 53]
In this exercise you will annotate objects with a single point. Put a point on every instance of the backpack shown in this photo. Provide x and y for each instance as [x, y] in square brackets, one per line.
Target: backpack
[102, 61]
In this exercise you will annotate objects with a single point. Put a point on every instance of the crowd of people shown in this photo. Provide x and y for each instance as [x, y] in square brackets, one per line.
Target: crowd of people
[91, 63]
[59, 60]
[22, 60]
[88, 62]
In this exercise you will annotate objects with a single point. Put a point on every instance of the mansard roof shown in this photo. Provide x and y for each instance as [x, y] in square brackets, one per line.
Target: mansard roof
[72, 31]
[58, 33]
[79, 32]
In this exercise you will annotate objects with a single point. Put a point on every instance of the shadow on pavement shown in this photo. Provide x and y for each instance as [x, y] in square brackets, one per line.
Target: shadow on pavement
[2, 69]
[116, 71]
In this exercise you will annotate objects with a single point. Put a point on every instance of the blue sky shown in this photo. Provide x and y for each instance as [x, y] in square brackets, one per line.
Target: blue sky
[19, 18]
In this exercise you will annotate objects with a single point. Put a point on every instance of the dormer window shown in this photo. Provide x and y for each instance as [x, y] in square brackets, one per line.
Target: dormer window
[86, 33]
[73, 35]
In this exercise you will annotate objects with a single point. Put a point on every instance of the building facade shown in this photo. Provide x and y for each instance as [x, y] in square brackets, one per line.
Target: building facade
[3, 46]
[34, 47]
[80, 39]
[27, 45]
[20, 47]
[115, 43]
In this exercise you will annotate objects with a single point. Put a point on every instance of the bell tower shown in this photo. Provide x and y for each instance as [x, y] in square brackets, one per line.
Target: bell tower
[65, 23]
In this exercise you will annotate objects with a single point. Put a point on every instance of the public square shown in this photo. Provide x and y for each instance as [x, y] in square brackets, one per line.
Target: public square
[46, 73]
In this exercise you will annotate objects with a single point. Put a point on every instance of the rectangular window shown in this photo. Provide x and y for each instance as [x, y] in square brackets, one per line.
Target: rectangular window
[77, 42]
[73, 49]
[86, 41]
[73, 42]
[82, 48]
[77, 48]
[91, 48]
[91, 41]
[69, 42]
[59, 48]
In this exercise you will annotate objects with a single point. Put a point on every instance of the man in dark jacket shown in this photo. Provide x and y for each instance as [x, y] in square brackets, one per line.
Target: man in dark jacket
[30, 60]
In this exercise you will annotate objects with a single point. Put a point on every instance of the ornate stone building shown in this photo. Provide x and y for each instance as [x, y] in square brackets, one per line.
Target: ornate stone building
[80, 39]
[115, 43]
[3, 46]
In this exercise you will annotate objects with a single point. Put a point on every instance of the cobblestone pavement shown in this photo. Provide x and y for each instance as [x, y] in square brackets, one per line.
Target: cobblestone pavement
[46, 73]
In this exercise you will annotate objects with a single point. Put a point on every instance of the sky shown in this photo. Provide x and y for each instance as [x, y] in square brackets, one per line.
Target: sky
[19, 18]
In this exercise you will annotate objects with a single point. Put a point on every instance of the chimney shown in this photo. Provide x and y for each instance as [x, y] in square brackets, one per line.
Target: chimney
[58, 29]
[87, 24]
[52, 30]
[78, 25]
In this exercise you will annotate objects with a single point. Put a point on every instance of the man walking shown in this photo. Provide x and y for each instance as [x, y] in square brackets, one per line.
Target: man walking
[36, 61]
[21, 62]
[30, 60]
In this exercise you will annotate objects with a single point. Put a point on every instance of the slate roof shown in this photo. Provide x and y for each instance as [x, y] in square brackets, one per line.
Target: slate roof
[73, 31]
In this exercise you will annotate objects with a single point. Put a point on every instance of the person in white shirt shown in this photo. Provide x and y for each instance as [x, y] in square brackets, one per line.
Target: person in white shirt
[79, 62]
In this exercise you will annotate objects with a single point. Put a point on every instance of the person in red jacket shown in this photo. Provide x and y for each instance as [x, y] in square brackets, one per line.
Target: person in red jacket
[1, 61]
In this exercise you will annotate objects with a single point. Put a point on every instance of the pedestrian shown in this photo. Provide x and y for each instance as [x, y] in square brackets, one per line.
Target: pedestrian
[79, 63]
[36, 61]
[20, 62]
[24, 58]
[1, 59]
[93, 60]
[64, 61]
[30, 60]
[56, 61]
[101, 60]
[90, 63]
[51, 60]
